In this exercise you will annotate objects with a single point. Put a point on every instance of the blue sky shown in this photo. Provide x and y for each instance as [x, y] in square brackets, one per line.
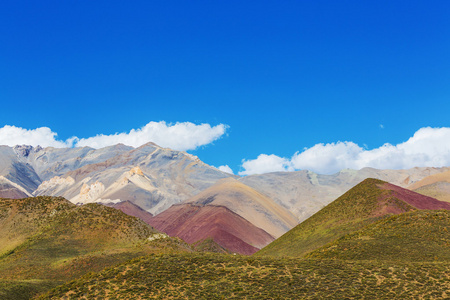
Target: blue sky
[282, 76]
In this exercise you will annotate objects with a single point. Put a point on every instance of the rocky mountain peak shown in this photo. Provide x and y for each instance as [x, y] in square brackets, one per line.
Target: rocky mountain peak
[25, 150]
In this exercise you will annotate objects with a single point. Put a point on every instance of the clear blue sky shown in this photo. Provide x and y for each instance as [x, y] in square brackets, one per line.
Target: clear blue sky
[284, 75]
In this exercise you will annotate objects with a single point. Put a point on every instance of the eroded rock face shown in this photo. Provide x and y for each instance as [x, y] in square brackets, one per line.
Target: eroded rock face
[24, 150]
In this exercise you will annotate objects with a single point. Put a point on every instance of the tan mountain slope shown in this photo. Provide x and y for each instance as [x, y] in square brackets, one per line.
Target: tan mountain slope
[253, 206]
[436, 185]
[439, 177]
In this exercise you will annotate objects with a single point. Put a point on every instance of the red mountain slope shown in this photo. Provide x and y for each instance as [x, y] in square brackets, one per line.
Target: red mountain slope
[414, 199]
[195, 223]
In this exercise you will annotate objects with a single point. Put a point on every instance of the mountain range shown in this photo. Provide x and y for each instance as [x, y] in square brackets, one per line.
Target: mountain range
[377, 241]
[162, 209]
[154, 183]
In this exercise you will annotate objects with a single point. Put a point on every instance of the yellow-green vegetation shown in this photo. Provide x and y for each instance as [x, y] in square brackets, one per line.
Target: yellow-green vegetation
[414, 236]
[352, 249]
[214, 276]
[403, 256]
[352, 211]
[48, 241]
[24, 289]
[22, 218]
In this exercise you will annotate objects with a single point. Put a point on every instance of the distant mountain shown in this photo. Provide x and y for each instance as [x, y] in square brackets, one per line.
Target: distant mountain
[253, 206]
[14, 169]
[230, 213]
[304, 193]
[194, 223]
[364, 204]
[155, 178]
[436, 185]
[150, 176]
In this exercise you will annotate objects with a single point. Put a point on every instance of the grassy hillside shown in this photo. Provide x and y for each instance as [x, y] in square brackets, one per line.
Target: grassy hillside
[414, 236]
[371, 244]
[23, 218]
[200, 276]
[366, 203]
[49, 241]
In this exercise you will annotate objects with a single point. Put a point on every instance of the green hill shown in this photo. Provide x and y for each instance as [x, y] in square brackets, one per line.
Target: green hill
[414, 236]
[47, 241]
[370, 243]
[365, 203]
[22, 218]
[214, 276]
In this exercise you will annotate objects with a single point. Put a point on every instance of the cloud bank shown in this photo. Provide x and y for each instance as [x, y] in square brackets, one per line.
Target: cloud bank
[225, 169]
[428, 147]
[44, 136]
[179, 136]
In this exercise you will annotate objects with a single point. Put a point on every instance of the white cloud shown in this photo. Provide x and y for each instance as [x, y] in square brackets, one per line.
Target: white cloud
[179, 136]
[43, 136]
[428, 147]
[265, 164]
[322, 158]
[225, 169]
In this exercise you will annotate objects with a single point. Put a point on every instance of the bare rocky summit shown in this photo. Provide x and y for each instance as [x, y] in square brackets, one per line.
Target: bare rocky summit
[150, 176]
